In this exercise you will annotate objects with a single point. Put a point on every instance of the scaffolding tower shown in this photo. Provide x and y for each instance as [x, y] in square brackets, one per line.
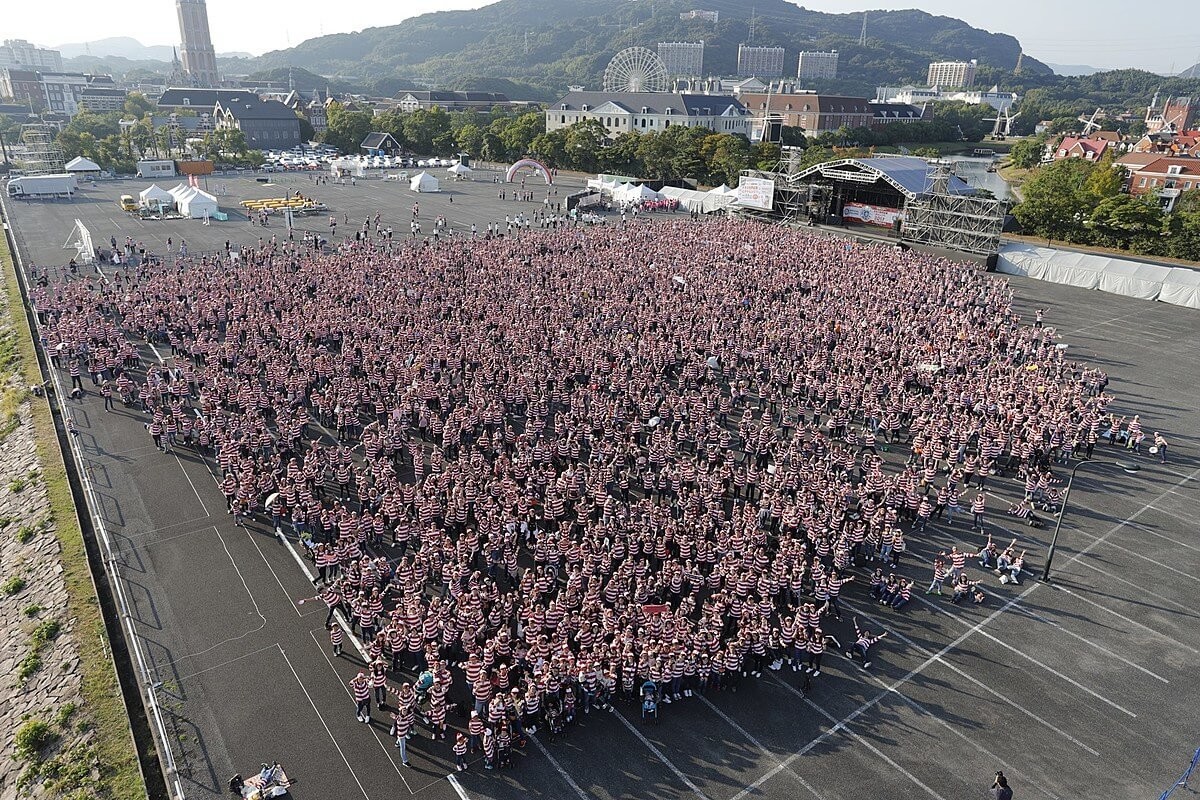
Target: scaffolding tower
[939, 218]
[42, 155]
[795, 200]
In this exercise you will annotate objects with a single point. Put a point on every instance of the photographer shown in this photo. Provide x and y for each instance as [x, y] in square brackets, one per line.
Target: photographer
[1000, 790]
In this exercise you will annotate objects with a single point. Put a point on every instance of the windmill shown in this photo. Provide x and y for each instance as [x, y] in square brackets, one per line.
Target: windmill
[1090, 124]
[1003, 121]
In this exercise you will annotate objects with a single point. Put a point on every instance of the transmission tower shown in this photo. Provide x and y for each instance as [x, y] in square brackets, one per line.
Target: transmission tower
[862, 37]
[750, 34]
[43, 156]
[1020, 60]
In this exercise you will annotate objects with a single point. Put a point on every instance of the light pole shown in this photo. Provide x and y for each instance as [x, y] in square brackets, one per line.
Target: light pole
[1127, 466]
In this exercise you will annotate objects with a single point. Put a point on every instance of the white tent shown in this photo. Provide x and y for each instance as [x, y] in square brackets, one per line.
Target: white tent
[82, 166]
[154, 195]
[459, 169]
[424, 182]
[694, 200]
[197, 204]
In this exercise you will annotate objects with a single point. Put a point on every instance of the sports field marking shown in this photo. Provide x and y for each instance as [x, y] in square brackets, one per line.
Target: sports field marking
[861, 740]
[659, 755]
[963, 674]
[763, 748]
[324, 724]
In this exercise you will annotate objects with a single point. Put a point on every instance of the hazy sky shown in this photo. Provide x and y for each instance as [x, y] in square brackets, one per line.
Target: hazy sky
[1104, 33]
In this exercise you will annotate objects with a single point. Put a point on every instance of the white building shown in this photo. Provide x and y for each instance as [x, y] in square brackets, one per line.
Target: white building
[683, 59]
[919, 95]
[622, 112]
[817, 66]
[700, 14]
[62, 91]
[764, 62]
[20, 53]
[952, 74]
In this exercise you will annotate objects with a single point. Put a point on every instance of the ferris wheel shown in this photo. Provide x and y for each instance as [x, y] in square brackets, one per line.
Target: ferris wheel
[636, 69]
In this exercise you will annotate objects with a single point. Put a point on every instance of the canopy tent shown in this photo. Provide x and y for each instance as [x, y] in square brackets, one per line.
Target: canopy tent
[197, 204]
[154, 195]
[628, 193]
[80, 165]
[459, 169]
[1175, 285]
[424, 182]
[694, 200]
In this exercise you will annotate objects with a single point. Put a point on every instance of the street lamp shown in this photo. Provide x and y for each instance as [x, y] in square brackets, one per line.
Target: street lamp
[1127, 466]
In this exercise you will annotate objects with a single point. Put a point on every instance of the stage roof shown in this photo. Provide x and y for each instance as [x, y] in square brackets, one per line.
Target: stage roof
[910, 175]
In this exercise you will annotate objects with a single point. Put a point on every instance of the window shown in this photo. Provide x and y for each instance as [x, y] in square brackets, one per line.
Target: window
[563, 121]
[1175, 169]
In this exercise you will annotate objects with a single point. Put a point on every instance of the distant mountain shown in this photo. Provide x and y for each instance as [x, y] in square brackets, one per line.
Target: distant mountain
[121, 46]
[548, 44]
[1073, 70]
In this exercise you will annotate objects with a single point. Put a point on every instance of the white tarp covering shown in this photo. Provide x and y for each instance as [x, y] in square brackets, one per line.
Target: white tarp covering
[1181, 288]
[81, 164]
[1175, 285]
[692, 200]
[198, 204]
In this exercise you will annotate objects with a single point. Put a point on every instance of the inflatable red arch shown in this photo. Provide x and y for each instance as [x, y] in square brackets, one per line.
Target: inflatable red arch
[532, 164]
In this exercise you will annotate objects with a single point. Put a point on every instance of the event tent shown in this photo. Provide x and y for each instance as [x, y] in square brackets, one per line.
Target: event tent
[154, 195]
[694, 200]
[82, 166]
[200, 204]
[459, 169]
[424, 182]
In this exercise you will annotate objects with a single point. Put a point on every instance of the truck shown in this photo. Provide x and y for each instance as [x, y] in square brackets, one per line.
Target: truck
[42, 186]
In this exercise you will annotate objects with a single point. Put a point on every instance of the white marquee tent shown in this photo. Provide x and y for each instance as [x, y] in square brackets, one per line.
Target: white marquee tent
[424, 182]
[200, 204]
[82, 166]
[459, 170]
[154, 195]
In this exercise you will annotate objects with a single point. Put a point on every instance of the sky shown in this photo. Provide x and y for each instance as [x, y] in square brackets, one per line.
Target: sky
[1104, 33]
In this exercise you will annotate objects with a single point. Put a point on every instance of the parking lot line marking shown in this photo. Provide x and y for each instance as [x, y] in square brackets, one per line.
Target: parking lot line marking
[1140, 587]
[1174, 515]
[748, 737]
[189, 480]
[374, 733]
[324, 724]
[1147, 559]
[659, 755]
[1061, 676]
[960, 672]
[1020, 608]
[291, 602]
[225, 663]
[562, 773]
[458, 789]
[1078, 596]
[858, 738]
[337, 615]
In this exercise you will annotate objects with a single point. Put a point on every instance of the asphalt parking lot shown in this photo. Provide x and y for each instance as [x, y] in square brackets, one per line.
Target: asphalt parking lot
[1075, 688]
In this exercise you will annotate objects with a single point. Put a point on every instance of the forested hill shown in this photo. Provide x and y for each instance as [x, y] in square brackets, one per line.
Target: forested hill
[544, 45]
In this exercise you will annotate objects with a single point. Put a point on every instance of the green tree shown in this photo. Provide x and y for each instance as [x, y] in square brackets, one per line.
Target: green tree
[584, 143]
[519, 134]
[764, 155]
[621, 157]
[1106, 180]
[426, 129]
[137, 106]
[1054, 206]
[345, 128]
[470, 139]
[1125, 221]
[1027, 153]
[307, 134]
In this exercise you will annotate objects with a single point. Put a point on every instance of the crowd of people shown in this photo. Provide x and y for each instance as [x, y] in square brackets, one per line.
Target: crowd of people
[535, 473]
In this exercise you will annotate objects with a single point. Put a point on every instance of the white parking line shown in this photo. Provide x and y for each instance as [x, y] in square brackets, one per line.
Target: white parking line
[963, 674]
[325, 725]
[1129, 620]
[458, 789]
[562, 773]
[1139, 586]
[860, 739]
[659, 755]
[748, 737]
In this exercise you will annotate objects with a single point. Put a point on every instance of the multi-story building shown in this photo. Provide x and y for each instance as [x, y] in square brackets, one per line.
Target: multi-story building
[814, 113]
[700, 14]
[763, 62]
[196, 50]
[683, 59]
[312, 109]
[816, 66]
[61, 91]
[183, 98]
[23, 86]
[101, 96]
[266, 124]
[952, 74]
[918, 95]
[1176, 114]
[1166, 178]
[20, 53]
[451, 101]
[639, 112]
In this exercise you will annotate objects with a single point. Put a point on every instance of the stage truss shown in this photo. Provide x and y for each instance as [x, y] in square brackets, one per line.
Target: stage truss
[795, 200]
[938, 218]
[81, 242]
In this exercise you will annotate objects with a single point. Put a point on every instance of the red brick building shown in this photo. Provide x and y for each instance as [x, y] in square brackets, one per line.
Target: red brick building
[1165, 177]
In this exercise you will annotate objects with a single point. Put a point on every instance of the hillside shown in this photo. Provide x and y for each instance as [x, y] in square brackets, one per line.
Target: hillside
[547, 44]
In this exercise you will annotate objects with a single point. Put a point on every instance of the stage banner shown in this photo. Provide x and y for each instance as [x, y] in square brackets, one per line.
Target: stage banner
[871, 215]
[756, 193]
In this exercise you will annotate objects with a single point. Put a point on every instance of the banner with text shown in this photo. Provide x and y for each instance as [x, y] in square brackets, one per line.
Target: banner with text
[871, 215]
[756, 193]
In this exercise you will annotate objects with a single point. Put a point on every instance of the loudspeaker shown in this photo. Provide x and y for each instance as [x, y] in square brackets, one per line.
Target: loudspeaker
[991, 262]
